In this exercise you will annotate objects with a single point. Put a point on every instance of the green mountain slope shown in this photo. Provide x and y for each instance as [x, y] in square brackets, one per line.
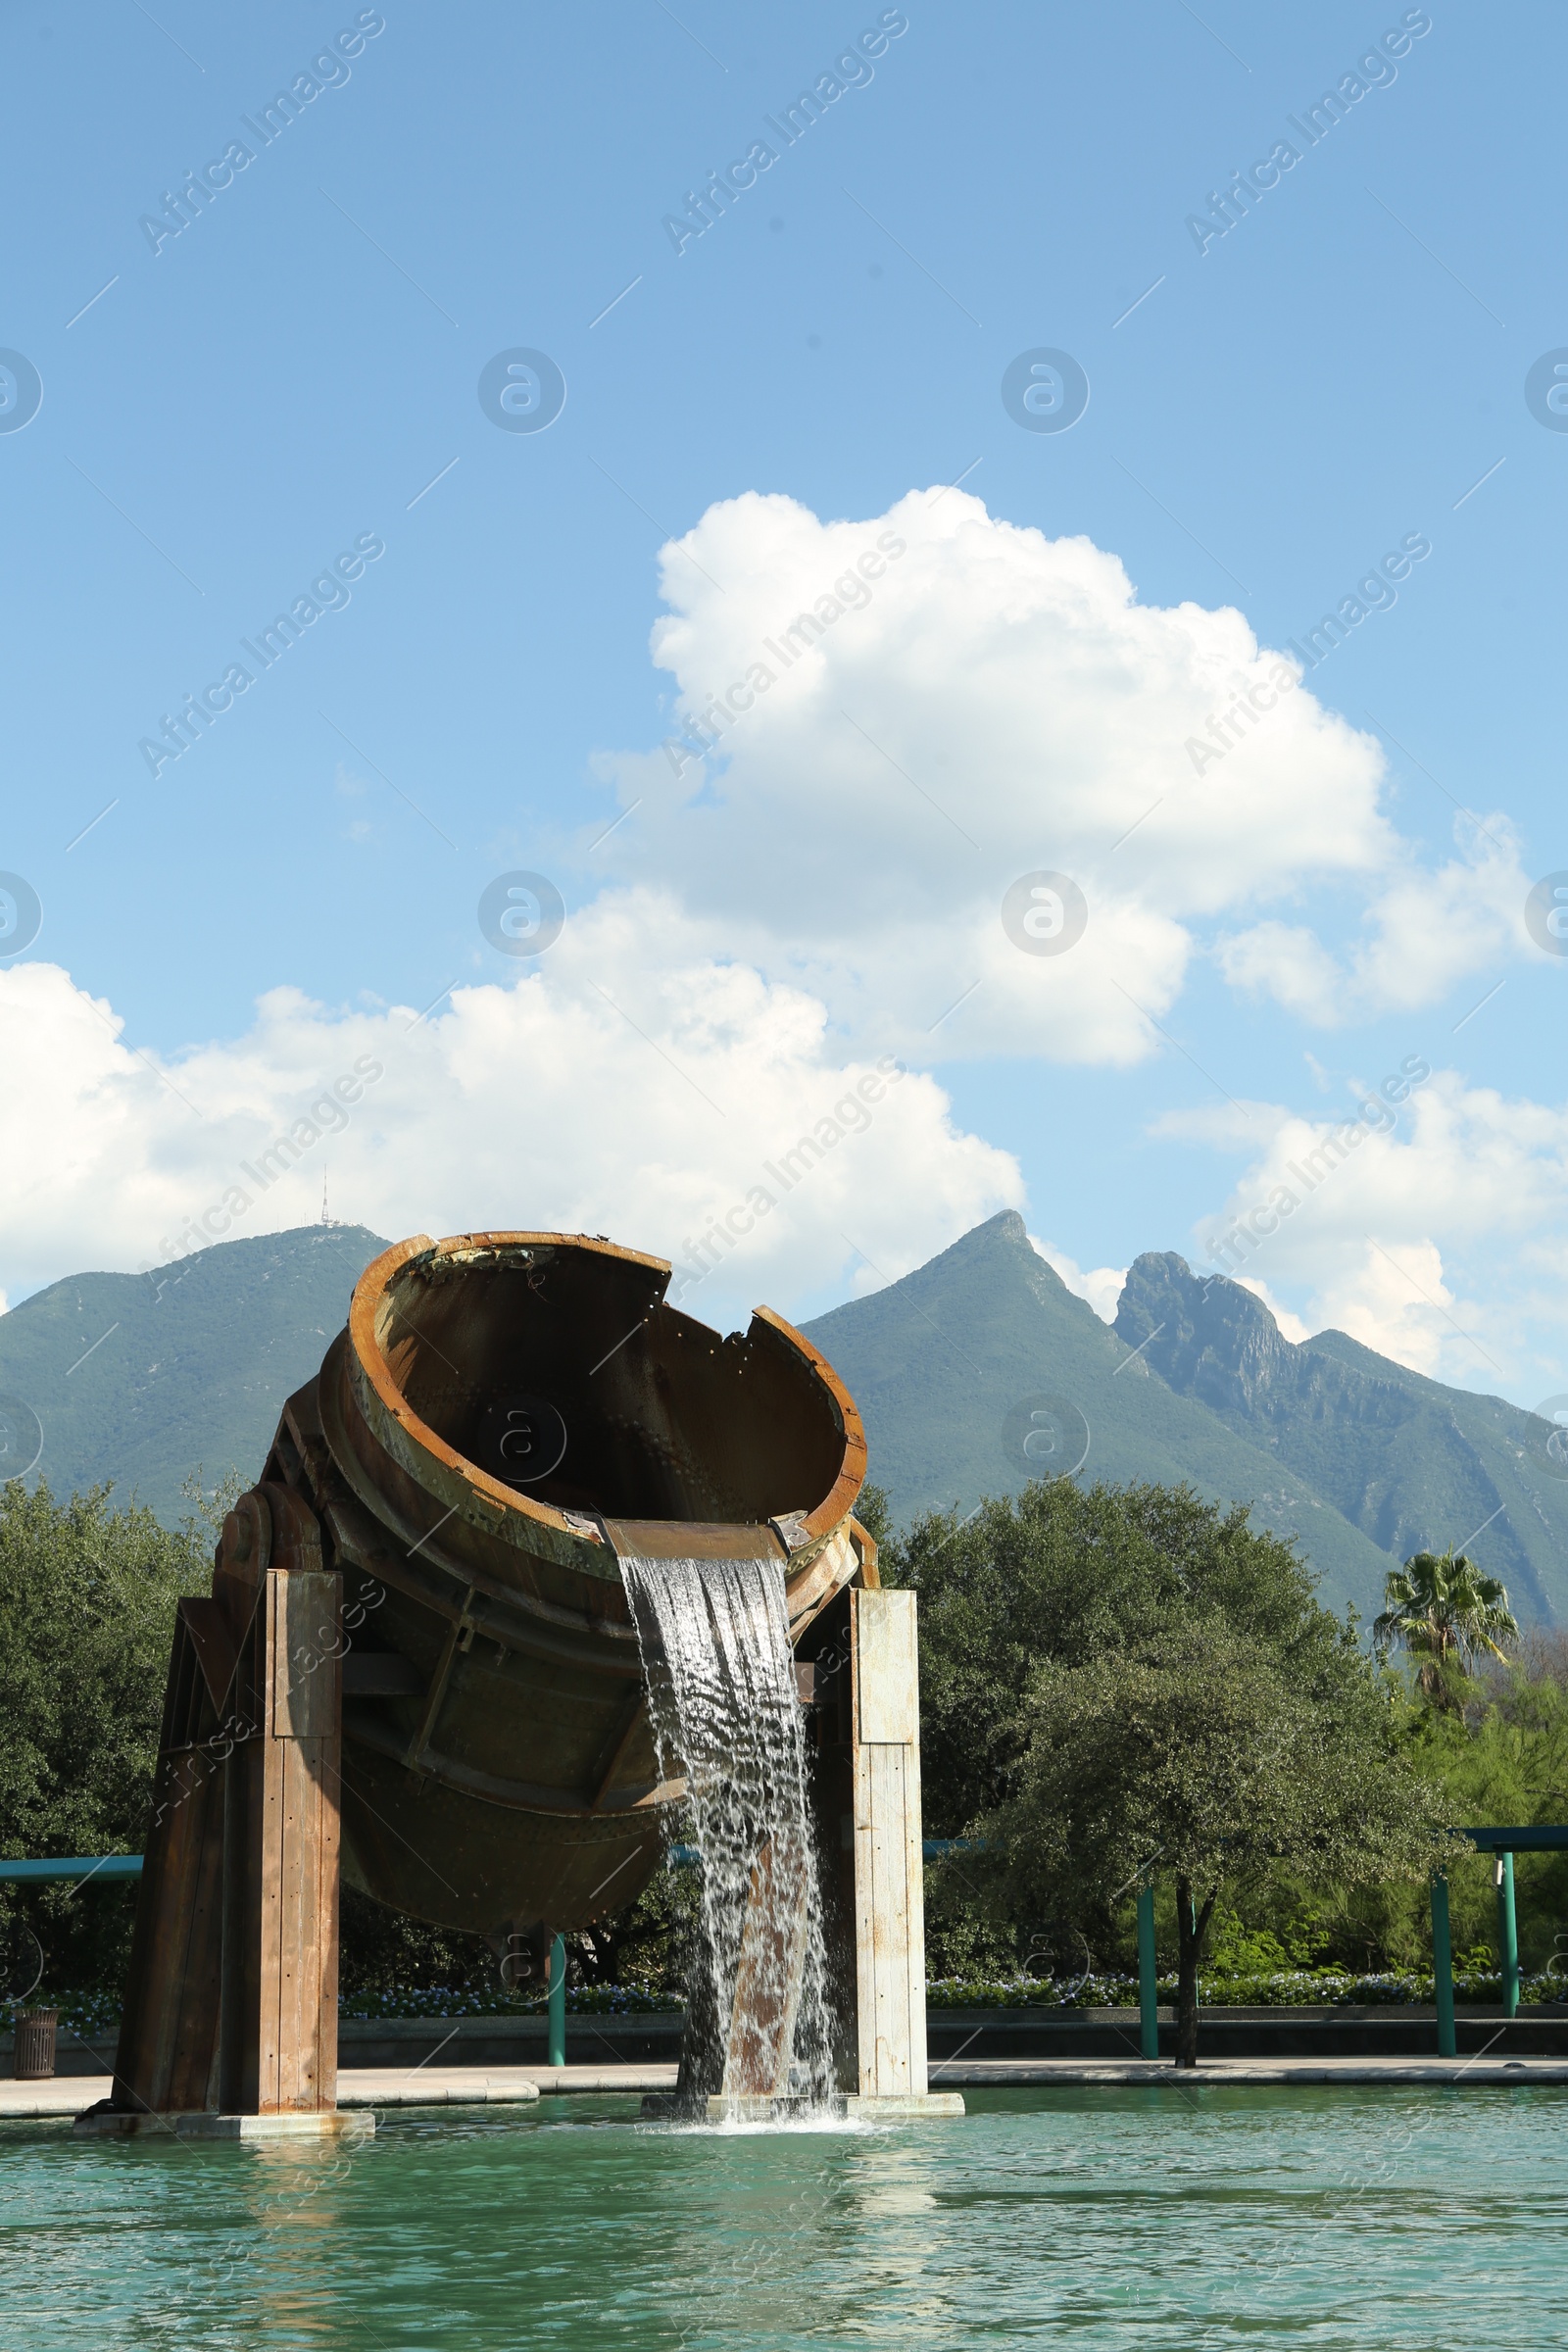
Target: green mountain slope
[945, 1364]
[1414, 1464]
[142, 1378]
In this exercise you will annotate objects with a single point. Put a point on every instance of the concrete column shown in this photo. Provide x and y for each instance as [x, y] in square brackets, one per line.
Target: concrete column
[889, 1875]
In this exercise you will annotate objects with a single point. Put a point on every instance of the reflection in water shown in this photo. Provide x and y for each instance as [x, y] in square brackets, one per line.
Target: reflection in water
[280, 2263]
[1364, 2219]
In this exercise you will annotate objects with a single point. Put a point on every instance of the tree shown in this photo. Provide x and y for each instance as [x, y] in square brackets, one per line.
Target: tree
[1112, 1676]
[1193, 1746]
[1443, 1611]
[1059, 1572]
[86, 1609]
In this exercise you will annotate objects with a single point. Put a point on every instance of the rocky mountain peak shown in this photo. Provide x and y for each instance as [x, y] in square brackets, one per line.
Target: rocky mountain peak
[1205, 1336]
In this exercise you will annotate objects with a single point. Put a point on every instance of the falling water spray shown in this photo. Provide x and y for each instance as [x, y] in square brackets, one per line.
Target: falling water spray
[720, 1676]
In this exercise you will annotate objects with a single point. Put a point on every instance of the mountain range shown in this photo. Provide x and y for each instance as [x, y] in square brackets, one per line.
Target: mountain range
[146, 1379]
[974, 1373]
[1359, 1458]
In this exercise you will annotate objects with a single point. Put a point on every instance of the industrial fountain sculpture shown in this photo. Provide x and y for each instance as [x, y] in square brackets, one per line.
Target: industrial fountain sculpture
[417, 1668]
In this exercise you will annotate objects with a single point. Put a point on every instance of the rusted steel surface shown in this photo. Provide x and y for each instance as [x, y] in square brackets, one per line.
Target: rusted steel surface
[498, 1766]
[169, 2028]
[232, 1998]
[418, 1664]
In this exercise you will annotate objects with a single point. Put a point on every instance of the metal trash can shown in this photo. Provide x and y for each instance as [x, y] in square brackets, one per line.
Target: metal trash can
[35, 2044]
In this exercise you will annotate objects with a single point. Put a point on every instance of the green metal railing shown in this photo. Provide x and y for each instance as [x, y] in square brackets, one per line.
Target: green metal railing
[1443, 1968]
[79, 1866]
[1507, 1936]
[1501, 1843]
[1539, 1838]
[1148, 1977]
[556, 2005]
[82, 1867]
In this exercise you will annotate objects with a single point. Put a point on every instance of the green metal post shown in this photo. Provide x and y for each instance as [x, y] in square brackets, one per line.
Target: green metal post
[1443, 1968]
[555, 2052]
[1507, 1937]
[1147, 1981]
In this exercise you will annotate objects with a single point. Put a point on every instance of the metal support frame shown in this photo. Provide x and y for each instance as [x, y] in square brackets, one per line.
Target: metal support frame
[232, 1999]
[231, 2004]
[1507, 1934]
[1442, 1966]
[555, 2003]
[1148, 1976]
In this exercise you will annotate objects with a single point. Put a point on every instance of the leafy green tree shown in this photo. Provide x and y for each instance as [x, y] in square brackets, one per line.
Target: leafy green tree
[1057, 1572]
[1443, 1611]
[1120, 1678]
[88, 1599]
[874, 1511]
[1193, 1747]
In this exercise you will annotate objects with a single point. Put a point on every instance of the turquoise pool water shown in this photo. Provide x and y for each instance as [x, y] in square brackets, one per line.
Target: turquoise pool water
[1350, 2219]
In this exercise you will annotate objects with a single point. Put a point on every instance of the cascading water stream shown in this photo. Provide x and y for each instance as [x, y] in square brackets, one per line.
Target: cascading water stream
[721, 1678]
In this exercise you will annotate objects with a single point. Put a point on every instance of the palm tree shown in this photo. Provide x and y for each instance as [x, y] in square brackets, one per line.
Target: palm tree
[1443, 1611]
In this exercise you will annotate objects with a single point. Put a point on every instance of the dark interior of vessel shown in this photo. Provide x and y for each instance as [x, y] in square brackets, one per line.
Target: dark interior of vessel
[562, 1371]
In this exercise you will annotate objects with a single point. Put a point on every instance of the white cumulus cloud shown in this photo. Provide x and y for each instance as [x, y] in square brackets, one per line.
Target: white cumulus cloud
[696, 1110]
[875, 727]
[1433, 1229]
[1424, 931]
[879, 725]
[1101, 1286]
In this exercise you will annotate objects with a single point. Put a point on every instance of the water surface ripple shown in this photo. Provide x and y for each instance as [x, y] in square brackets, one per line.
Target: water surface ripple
[1348, 2219]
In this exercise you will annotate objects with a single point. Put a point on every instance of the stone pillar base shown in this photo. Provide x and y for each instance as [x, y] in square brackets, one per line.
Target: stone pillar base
[119, 2123]
[912, 2107]
[845, 2106]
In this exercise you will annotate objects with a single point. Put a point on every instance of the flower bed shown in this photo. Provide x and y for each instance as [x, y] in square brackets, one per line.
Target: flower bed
[1285, 1988]
[95, 2017]
[440, 2001]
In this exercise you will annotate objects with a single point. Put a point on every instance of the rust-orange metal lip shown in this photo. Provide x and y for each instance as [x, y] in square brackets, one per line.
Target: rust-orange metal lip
[372, 1288]
[840, 1496]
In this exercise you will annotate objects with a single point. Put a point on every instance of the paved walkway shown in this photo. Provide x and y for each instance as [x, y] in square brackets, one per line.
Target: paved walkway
[379, 2087]
[473, 2087]
[1018, 2072]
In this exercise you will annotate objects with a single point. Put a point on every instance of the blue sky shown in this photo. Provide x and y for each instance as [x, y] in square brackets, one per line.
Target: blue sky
[298, 369]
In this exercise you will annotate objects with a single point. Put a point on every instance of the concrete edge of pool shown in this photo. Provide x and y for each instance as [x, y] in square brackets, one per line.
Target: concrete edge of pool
[362, 2089]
